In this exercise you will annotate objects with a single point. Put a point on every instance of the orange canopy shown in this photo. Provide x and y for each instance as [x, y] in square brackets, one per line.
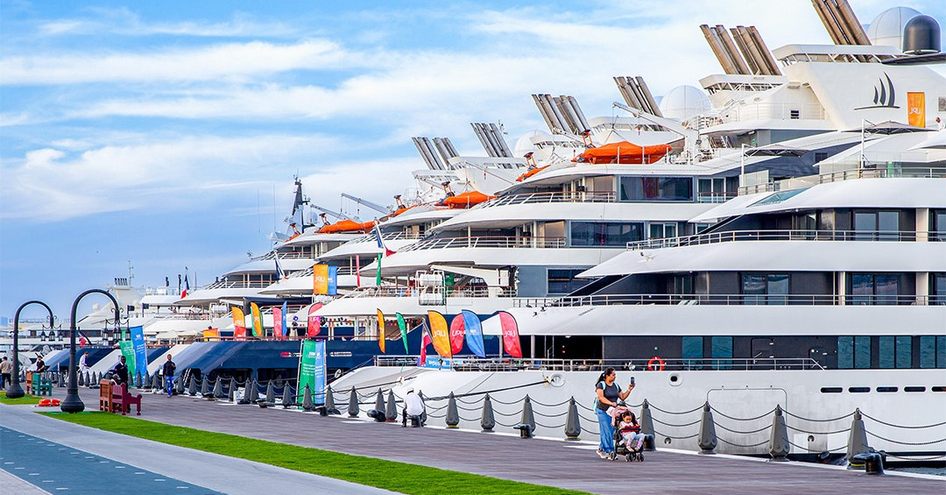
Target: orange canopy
[530, 173]
[467, 199]
[347, 226]
[623, 152]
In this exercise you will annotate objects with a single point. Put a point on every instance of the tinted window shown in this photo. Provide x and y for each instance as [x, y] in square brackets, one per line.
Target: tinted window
[656, 189]
[605, 234]
[692, 348]
[904, 351]
[762, 288]
[861, 352]
[564, 281]
[721, 348]
[927, 351]
[845, 352]
[885, 352]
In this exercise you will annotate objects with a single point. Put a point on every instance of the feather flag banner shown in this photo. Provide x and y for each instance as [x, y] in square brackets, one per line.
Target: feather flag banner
[474, 333]
[510, 334]
[402, 326]
[381, 336]
[439, 334]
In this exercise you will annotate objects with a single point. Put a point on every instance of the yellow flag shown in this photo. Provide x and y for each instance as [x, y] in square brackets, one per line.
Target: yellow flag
[440, 334]
[381, 330]
[239, 323]
[257, 320]
[320, 279]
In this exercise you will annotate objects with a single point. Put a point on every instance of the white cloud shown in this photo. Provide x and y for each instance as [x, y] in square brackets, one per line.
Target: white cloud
[124, 22]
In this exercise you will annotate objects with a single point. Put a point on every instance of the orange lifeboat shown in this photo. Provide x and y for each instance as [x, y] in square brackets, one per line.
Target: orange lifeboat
[467, 199]
[530, 173]
[347, 226]
[623, 152]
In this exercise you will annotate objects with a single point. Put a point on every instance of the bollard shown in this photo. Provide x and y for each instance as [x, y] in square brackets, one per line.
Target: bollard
[330, 402]
[62, 380]
[156, 383]
[180, 385]
[205, 387]
[453, 415]
[487, 418]
[779, 448]
[81, 380]
[526, 424]
[307, 399]
[137, 379]
[857, 440]
[572, 422]
[647, 428]
[254, 391]
[231, 391]
[192, 386]
[270, 395]
[379, 407]
[874, 463]
[287, 399]
[707, 439]
[390, 412]
[353, 404]
[218, 389]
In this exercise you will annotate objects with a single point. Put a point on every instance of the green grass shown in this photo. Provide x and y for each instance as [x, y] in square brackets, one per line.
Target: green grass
[26, 399]
[390, 475]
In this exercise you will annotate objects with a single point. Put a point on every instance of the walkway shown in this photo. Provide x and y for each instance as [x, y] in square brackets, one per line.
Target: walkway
[77, 459]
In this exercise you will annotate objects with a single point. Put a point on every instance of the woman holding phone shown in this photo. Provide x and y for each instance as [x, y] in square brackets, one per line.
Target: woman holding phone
[608, 393]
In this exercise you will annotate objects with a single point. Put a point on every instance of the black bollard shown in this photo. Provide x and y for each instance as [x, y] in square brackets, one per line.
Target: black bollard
[270, 395]
[192, 386]
[857, 439]
[205, 387]
[254, 391]
[137, 379]
[81, 380]
[330, 402]
[453, 414]
[526, 424]
[353, 404]
[707, 439]
[180, 385]
[487, 418]
[647, 427]
[779, 448]
[307, 399]
[156, 383]
[379, 407]
[572, 422]
[390, 411]
[231, 391]
[218, 389]
[874, 463]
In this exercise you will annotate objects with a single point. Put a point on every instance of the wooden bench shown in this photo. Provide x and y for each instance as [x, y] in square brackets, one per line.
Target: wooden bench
[29, 382]
[37, 384]
[105, 395]
[122, 400]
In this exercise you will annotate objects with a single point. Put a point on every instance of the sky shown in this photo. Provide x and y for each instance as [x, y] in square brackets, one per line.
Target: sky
[165, 135]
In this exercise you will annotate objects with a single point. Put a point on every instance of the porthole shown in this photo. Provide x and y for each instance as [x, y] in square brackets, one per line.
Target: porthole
[858, 390]
[914, 389]
[831, 390]
[939, 388]
[675, 380]
[887, 389]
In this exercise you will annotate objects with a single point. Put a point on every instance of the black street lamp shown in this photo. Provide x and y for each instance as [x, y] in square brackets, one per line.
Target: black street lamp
[72, 403]
[14, 390]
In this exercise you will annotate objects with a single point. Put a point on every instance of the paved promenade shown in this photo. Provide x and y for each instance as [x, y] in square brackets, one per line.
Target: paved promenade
[563, 464]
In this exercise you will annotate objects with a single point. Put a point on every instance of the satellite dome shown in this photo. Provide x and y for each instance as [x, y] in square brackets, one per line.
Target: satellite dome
[683, 102]
[921, 35]
[887, 28]
[526, 143]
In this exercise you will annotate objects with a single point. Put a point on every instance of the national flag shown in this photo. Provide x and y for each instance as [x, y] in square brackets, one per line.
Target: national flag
[439, 334]
[279, 272]
[402, 326]
[381, 335]
[425, 341]
[384, 249]
[83, 340]
[187, 287]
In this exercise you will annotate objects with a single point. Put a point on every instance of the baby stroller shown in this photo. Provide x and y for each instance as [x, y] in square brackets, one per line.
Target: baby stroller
[629, 452]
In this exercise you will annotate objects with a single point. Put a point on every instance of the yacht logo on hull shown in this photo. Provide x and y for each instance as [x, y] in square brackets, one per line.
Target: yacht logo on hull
[884, 95]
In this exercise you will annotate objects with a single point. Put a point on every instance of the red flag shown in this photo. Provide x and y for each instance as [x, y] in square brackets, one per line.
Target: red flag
[357, 271]
[314, 322]
[457, 329]
[510, 334]
[277, 323]
[424, 342]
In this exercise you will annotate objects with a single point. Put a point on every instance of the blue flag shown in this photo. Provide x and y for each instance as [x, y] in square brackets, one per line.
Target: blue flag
[474, 332]
[141, 350]
[285, 309]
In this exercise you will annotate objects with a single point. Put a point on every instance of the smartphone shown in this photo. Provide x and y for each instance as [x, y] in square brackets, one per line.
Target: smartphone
[632, 381]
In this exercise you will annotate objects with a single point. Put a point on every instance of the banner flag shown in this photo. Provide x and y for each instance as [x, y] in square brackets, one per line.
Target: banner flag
[312, 369]
[377, 273]
[456, 335]
[239, 323]
[425, 341]
[314, 321]
[128, 351]
[282, 321]
[141, 349]
[510, 334]
[320, 279]
[357, 270]
[333, 280]
[257, 320]
[439, 334]
[381, 333]
[277, 322]
[474, 332]
[916, 109]
[402, 326]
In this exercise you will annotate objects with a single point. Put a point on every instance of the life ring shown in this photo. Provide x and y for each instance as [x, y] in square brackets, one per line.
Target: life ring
[656, 363]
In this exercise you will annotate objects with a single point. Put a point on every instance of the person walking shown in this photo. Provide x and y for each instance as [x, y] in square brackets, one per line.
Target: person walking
[608, 393]
[168, 370]
[6, 368]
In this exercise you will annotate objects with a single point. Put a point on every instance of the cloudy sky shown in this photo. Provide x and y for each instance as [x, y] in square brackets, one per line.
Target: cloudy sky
[166, 134]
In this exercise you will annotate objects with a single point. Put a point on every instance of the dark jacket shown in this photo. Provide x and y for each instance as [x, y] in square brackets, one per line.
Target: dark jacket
[121, 373]
[169, 368]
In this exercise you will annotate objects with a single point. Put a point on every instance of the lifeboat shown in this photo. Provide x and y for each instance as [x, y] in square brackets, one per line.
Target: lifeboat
[623, 152]
[530, 173]
[347, 226]
[467, 199]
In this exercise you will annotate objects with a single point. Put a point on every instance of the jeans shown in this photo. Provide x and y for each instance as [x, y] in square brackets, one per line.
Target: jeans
[169, 385]
[4, 378]
[632, 439]
[606, 431]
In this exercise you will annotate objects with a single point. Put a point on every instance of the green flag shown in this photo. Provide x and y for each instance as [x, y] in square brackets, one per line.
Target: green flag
[377, 273]
[402, 325]
[128, 350]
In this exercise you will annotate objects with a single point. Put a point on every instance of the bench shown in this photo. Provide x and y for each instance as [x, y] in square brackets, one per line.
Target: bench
[105, 395]
[37, 384]
[122, 400]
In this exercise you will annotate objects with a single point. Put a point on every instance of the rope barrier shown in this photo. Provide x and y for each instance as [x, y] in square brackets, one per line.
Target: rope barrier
[550, 427]
[845, 430]
[559, 415]
[766, 427]
[697, 408]
[742, 445]
[675, 425]
[537, 403]
[799, 447]
[717, 411]
[906, 443]
[677, 438]
[908, 427]
[839, 418]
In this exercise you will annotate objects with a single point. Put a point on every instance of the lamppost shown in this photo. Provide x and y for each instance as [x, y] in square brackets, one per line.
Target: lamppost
[72, 403]
[14, 390]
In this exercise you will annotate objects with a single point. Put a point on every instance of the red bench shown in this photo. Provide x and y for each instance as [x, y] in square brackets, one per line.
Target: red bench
[122, 400]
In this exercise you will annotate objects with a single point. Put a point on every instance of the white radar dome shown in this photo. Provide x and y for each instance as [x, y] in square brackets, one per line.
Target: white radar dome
[887, 28]
[526, 143]
[684, 102]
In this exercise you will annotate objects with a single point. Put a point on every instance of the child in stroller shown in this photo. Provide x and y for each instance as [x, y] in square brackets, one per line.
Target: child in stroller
[628, 440]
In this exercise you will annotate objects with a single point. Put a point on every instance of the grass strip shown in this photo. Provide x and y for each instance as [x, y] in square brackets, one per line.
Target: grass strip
[26, 399]
[401, 477]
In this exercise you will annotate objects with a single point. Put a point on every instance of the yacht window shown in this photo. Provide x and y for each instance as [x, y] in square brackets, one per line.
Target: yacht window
[861, 351]
[927, 351]
[858, 390]
[941, 352]
[721, 348]
[765, 288]
[914, 389]
[904, 351]
[885, 351]
[656, 189]
[692, 348]
[874, 288]
[938, 227]
[895, 352]
[877, 225]
[887, 389]
[831, 390]
[938, 289]
[663, 230]
[565, 282]
[605, 234]
[845, 352]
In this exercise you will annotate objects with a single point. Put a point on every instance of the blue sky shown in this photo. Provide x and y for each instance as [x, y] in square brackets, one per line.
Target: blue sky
[163, 133]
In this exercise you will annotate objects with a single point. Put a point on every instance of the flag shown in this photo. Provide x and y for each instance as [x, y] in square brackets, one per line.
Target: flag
[384, 249]
[313, 322]
[257, 320]
[377, 273]
[456, 335]
[187, 287]
[282, 320]
[320, 279]
[357, 271]
[277, 322]
[474, 332]
[381, 336]
[279, 274]
[510, 334]
[402, 326]
[439, 334]
[239, 323]
[83, 340]
[425, 341]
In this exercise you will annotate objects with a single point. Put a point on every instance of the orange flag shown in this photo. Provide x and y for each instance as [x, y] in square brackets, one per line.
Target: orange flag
[440, 334]
[381, 330]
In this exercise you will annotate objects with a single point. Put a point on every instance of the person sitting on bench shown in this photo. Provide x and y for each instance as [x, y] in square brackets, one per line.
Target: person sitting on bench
[414, 408]
[120, 372]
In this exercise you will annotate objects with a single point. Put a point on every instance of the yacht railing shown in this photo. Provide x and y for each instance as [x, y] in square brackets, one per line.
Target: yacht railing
[785, 235]
[730, 300]
[238, 284]
[417, 292]
[550, 197]
[292, 255]
[486, 242]
[471, 363]
[387, 236]
[868, 171]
